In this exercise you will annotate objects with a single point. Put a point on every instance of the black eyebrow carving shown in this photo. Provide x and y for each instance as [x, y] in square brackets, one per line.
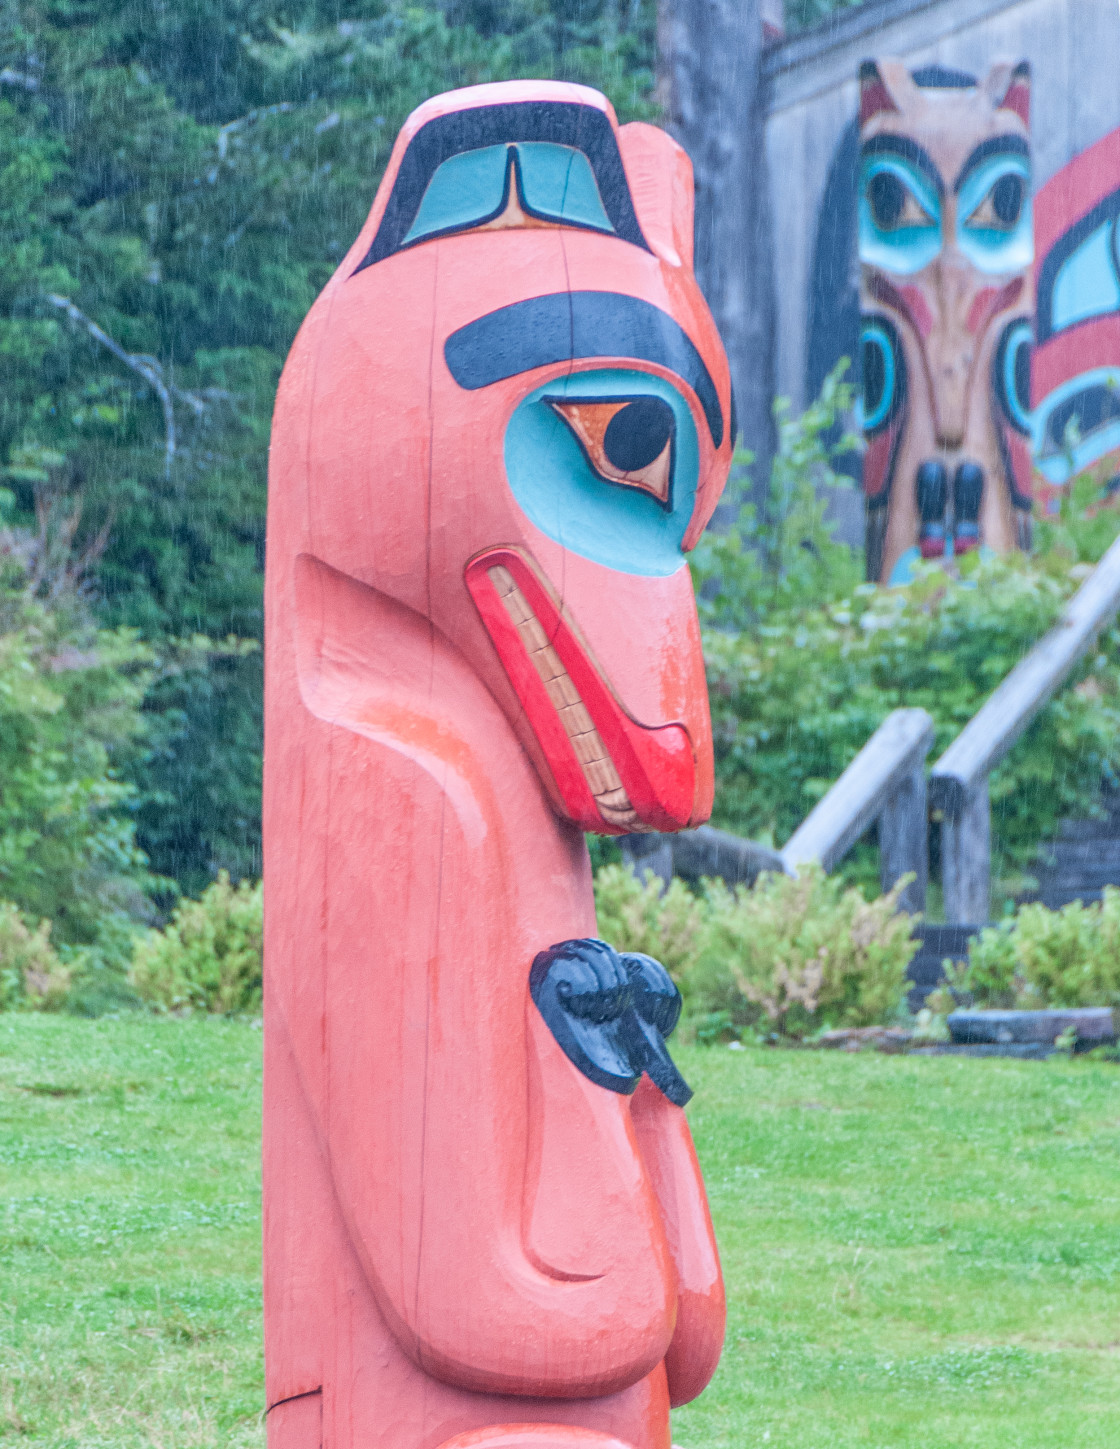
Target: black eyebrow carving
[583, 128]
[909, 150]
[564, 326]
[993, 146]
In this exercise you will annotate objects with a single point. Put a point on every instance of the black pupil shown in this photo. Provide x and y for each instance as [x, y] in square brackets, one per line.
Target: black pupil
[1023, 375]
[888, 196]
[874, 377]
[637, 434]
[1007, 199]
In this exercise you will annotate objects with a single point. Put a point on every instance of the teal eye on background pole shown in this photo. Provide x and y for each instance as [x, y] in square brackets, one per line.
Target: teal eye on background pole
[880, 381]
[559, 489]
[1088, 281]
[995, 230]
[899, 215]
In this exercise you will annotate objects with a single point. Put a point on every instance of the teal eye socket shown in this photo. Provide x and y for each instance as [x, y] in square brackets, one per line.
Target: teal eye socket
[548, 181]
[1012, 375]
[1088, 281]
[558, 183]
[899, 215]
[994, 223]
[607, 463]
[882, 375]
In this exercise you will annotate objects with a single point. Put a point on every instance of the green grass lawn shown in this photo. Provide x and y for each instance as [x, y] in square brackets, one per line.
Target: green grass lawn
[919, 1251]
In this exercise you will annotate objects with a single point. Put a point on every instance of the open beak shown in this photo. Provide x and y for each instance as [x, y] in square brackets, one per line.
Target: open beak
[615, 775]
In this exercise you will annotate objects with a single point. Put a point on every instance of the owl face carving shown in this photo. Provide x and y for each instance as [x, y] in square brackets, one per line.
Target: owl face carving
[946, 247]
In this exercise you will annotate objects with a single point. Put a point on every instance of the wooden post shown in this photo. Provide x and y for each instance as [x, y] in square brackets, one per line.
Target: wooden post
[904, 840]
[645, 854]
[1009, 709]
[882, 771]
[966, 849]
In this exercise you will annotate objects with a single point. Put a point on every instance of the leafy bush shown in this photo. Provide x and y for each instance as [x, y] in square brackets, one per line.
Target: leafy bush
[209, 957]
[799, 955]
[32, 978]
[634, 915]
[1040, 958]
[790, 955]
[784, 556]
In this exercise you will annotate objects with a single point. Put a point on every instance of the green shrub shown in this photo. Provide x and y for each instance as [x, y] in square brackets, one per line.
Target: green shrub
[790, 955]
[799, 955]
[1040, 958]
[634, 915]
[209, 957]
[32, 978]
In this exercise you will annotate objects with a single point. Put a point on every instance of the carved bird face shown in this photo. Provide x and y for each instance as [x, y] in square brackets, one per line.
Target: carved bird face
[519, 422]
[1075, 373]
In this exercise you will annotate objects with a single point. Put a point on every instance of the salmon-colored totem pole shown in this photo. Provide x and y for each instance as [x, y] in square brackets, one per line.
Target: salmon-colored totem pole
[946, 247]
[501, 426]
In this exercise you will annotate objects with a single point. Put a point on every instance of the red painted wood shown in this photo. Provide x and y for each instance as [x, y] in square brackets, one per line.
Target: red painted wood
[467, 1242]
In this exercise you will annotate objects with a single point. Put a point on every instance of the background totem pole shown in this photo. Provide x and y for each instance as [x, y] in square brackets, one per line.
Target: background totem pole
[501, 425]
[1075, 374]
[945, 246]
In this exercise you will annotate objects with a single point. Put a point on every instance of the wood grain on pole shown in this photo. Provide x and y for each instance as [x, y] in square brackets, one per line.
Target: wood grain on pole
[893, 753]
[999, 722]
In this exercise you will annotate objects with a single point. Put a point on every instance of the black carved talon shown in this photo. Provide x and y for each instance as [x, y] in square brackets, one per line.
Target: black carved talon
[655, 995]
[582, 989]
[610, 1014]
[656, 1011]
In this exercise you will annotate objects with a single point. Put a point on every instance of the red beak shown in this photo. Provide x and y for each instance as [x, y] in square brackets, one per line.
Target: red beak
[615, 775]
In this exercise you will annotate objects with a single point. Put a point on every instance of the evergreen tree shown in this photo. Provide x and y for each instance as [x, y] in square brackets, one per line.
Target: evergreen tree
[177, 182]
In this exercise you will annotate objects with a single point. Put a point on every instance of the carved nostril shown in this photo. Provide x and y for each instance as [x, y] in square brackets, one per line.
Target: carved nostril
[968, 491]
[932, 484]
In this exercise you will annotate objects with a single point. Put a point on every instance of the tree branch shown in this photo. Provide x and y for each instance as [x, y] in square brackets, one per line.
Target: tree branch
[147, 367]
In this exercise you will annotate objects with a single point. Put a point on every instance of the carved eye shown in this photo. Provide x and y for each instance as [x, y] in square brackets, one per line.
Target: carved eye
[1002, 207]
[628, 441]
[893, 204]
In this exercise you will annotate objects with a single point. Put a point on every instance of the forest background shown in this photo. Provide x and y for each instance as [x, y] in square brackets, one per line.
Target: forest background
[177, 182]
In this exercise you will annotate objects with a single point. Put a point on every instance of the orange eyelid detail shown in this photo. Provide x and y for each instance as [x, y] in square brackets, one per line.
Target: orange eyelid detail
[589, 421]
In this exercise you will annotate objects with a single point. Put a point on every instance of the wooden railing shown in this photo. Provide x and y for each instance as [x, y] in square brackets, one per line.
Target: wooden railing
[886, 782]
[958, 785]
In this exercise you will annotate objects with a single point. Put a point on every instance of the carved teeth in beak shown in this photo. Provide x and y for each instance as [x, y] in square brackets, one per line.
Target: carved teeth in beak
[611, 774]
[593, 756]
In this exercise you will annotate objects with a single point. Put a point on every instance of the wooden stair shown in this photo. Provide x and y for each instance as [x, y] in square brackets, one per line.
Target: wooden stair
[1083, 859]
